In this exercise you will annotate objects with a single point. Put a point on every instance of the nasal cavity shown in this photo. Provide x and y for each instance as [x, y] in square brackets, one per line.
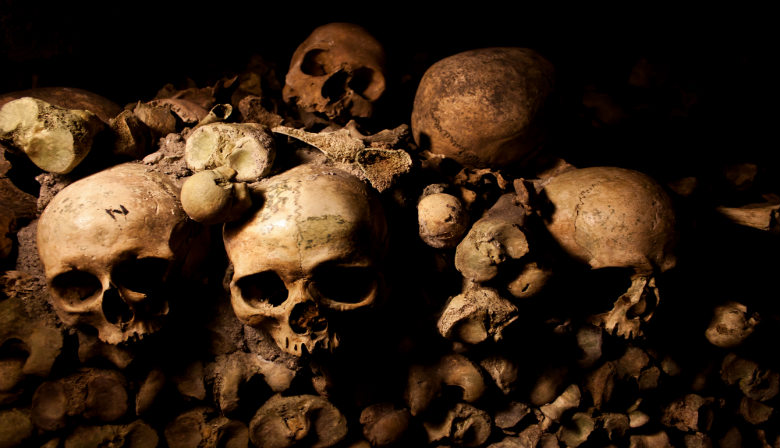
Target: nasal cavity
[305, 318]
[336, 86]
[115, 310]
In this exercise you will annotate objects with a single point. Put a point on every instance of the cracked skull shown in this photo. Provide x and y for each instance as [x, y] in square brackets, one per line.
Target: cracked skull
[308, 259]
[338, 71]
[109, 244]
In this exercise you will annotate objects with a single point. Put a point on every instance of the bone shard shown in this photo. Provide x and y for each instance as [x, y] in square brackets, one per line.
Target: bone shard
[284, 422]
[476, 315]
[55, 139]
[353, 152]
[247, 148]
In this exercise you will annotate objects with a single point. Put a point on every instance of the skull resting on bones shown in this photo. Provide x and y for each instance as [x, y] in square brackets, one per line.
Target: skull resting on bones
[308, 259]
[338, 70]
[109, 244]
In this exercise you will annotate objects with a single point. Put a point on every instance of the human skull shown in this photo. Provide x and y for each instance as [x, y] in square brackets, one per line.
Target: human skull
[109, 243]
[486, 107]
[338, 70]
[609, 217]
[308, 258]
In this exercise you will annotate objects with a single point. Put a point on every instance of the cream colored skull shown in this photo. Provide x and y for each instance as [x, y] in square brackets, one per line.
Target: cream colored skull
[108, 244]
[338, 70]
[308, 258]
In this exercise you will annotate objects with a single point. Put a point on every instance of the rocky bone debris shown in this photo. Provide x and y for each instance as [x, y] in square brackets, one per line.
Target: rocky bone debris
[449, 271]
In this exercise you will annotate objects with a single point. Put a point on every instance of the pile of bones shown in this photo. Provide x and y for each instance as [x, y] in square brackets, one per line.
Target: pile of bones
[250, 263]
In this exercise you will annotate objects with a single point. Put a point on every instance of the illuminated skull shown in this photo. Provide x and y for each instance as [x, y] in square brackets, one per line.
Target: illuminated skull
[109, 244]
[308, 258]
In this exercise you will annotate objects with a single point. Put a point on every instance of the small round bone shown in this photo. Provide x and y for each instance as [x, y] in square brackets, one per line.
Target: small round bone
[247, 148]
[383, 424]
[484, 107]
[55, 139]
[211, 197]
[442, 220]
[426, 383]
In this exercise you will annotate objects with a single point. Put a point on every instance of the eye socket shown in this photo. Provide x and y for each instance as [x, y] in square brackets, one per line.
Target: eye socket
[344, 284]
[262, 288]
[314, 63]
[76, 287]
[144, 275]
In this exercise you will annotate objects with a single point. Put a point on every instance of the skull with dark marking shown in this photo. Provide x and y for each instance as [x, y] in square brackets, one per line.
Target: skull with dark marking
[109, 244]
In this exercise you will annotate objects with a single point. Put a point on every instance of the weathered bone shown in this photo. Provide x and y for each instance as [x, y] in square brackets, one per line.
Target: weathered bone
[492, 240]
[137, 434]
[204, 427]
[383, 424]
[15, 427]
[464, 425]
[158, 118]
[247, 148]
[476, 315]
[338, 71]
[577, 429]
[314, 249]
[731, 325]
[41, 342]
[368, 157]
[425, 383]
[442, 220]
[55, 139]
[211, 196]
[484, 107]
[504, 372]
[304, 419]
[132, 137]
[614, 217]
[112, 245]
[690, 413]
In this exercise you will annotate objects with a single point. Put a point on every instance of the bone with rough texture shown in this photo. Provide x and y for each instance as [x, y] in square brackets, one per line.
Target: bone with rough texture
[312, 249]
[426, 383]
[137, 434]
[731, 325]
[41, 342]
[69, 98]
[463, 425]
[15, 427]
[689, 413]
[615, 217]
[55, 139]
[247, 148]
[383, 424]
[339, 71]
[158, 118]
[484, 107]
[96, 394]
[132, 137]
[504, 372]
[493, 239]
[109, 243]
[204, 427]
[211, 197]
[531, 280]
[368, 157]
[754, 380]
[476, 315]
[442, 220]
[306, 420]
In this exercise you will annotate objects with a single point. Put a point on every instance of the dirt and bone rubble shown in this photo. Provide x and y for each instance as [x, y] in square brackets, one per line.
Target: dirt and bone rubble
[254, 262]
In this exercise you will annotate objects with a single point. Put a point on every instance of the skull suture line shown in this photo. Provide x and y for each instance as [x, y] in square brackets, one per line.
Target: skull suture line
[308, 258]
[109, 244]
